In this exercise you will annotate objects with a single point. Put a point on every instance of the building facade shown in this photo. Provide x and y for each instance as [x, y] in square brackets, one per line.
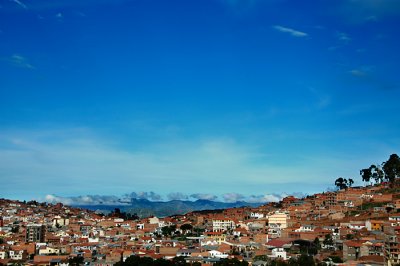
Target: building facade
[35, 233]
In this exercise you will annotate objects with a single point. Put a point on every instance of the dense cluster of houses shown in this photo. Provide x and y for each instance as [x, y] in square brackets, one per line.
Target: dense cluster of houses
[359, 226]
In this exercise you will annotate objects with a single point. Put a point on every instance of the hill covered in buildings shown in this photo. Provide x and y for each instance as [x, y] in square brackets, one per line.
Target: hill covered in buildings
[355, 225]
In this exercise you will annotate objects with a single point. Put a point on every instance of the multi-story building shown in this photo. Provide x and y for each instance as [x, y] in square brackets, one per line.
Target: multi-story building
[222, 224]
[277, 222]
[279, 219]
[392, 245]
[35, 233]
[330, 199]
[353, 250]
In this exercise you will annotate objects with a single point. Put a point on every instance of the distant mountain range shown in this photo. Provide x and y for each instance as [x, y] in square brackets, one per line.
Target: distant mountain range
[146, 208]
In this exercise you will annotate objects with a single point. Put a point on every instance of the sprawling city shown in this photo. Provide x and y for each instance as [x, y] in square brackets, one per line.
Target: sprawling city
[350, 226]
[199, 132]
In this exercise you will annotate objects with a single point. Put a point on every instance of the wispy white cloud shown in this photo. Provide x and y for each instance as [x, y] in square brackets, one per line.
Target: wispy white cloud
[358, 73]
[18, 2]
[20, 61]
[343, 37]
[292, 32]
[323, 100]
[371, 78]
[342, 40]
[362, 71]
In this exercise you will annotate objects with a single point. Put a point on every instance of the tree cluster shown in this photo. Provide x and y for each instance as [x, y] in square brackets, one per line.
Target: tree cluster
[168, 230]
[343, 183]
[389, 171]
[124, 215]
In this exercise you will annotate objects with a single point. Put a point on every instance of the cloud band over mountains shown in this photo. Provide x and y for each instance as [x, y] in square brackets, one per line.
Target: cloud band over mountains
[152, 196]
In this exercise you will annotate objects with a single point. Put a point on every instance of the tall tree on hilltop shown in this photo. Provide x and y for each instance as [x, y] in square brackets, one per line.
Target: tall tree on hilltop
[351, 182]
[366, 174]
[392, 168]
[377, 173]
[341, 183]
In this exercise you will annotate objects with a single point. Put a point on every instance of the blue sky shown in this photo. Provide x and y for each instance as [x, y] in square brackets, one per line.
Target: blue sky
[209, 98]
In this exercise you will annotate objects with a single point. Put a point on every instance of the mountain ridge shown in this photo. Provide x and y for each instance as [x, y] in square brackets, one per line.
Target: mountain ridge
[146, 208]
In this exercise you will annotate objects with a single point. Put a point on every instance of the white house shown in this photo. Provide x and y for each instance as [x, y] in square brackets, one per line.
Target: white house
[278, 253]
[305, 228]
[17, 254]
[256, 215]
[217, 254]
